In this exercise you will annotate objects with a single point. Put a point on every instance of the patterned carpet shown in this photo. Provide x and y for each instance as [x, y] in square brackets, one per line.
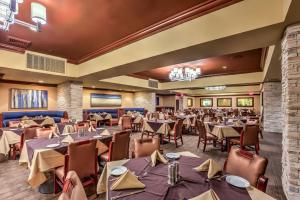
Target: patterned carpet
[13, 185]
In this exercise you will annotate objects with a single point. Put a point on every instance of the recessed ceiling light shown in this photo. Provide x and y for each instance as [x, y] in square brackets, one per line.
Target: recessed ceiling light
[93, 86]
[224, 67]
[41, 81]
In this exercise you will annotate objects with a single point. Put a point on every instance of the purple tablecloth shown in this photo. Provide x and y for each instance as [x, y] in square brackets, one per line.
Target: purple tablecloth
[192, 183]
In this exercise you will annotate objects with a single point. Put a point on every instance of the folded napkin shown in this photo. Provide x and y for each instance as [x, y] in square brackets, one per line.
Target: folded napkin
[91, 129]
[105, 132]
[52, 135]
[68, 139]
[127, 181]
[156, 156]
[211, 166]
[209, 195]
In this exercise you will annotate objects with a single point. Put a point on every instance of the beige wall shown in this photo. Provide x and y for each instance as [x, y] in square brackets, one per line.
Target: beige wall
[127, 97]
[5, 96]
[167, 101]
[256, 101]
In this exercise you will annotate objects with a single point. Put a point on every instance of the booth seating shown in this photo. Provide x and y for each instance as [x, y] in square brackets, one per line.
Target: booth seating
[5, 117]
[140, 110]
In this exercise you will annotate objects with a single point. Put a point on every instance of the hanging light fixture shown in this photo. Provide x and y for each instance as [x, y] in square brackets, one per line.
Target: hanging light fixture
[9, 9]
[184, 73]
[215, 88]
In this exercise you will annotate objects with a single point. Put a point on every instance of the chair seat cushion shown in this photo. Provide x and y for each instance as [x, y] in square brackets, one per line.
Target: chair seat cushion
[235, 141]
[210, 136]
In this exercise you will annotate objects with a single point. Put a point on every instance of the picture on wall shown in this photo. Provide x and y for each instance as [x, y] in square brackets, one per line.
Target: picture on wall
[224, 102]
[245, 102]
[206, 102]
[28, 99]
[105, 100]
[190, 102]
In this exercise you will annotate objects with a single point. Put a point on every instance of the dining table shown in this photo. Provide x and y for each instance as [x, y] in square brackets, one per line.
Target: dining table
[9, 136]
[159, 127]
[191, 183]
[40, 158]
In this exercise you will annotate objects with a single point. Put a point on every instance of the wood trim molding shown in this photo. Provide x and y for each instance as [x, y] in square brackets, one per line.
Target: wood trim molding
[27, 83]
[12, 48]
[184, 16]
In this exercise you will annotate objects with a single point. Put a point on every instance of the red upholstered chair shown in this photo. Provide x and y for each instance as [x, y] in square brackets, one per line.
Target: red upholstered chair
[81, 158]
[250, 166]
[126, 123]
[204, 136]
[145, 147]
[73, 188]
[176, 133]
[248, 138]
[43, 132]
[118, 148]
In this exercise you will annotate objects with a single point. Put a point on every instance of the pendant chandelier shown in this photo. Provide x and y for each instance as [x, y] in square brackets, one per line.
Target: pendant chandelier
[184, 73]
[10, 8]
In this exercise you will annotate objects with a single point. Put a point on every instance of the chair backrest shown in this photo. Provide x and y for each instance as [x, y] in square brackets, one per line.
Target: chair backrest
[145, 147]
[178, 127]
[126, 122]
[82, 158]
[28, 134]
[201, 129]
[250, 135]
[244, 164]
[119, 146]
[43, 132]
[73, 188]
[64, 120]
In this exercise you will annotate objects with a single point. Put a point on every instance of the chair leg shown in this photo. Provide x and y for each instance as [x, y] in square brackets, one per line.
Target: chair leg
[181, 140]
[257, 149]
[55, 184]
[204, 145]
[198, 143]
[261, 134]
[176, 142]
[228, 146]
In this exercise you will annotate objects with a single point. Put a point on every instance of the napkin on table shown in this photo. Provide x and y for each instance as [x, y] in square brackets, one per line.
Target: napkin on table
[211, 166]
[68, 139]
[91, 129]
[105, 132]
[127, 181]
[156, 156]
[209, 195]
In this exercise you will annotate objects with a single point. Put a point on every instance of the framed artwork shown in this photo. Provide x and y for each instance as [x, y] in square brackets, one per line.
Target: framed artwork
[105, 100]
[28, 99]
[244, 102]
[190, 102]
[206, 102]
[224, 102]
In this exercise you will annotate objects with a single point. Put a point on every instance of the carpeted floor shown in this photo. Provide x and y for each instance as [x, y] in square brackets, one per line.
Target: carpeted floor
[13, 185]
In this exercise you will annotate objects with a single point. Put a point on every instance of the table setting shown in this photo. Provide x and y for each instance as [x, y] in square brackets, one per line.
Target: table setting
[180, 175]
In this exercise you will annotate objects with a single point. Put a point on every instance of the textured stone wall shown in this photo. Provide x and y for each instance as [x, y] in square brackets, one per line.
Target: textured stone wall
[69, 98]
[291, 112]
[272, 107]
[145, 100]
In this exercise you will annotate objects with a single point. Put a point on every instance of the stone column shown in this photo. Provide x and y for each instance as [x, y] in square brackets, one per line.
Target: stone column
[272, 107]
[291, 112]
[145, 100]
[69, 98]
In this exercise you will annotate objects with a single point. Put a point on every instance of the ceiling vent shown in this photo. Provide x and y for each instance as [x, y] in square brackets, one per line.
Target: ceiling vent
[44, 63]
[17, 42]
[152, 83]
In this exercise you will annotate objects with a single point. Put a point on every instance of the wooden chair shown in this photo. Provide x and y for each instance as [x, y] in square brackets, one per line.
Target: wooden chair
[44, 132]
[137, 123]
[73, 188]
[126, 123]
[81, 158]
[248, 138]
[204, 136]
[250, 166]
[176, 133]
[145, 147]
[118, 147]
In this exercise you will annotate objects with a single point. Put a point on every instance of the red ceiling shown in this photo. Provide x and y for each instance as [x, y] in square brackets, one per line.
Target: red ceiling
[82, 29]
[243, 62]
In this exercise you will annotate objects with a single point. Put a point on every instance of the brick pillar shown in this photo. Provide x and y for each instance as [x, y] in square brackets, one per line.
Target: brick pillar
[69, 98]
[291, 112]
[272, 107]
